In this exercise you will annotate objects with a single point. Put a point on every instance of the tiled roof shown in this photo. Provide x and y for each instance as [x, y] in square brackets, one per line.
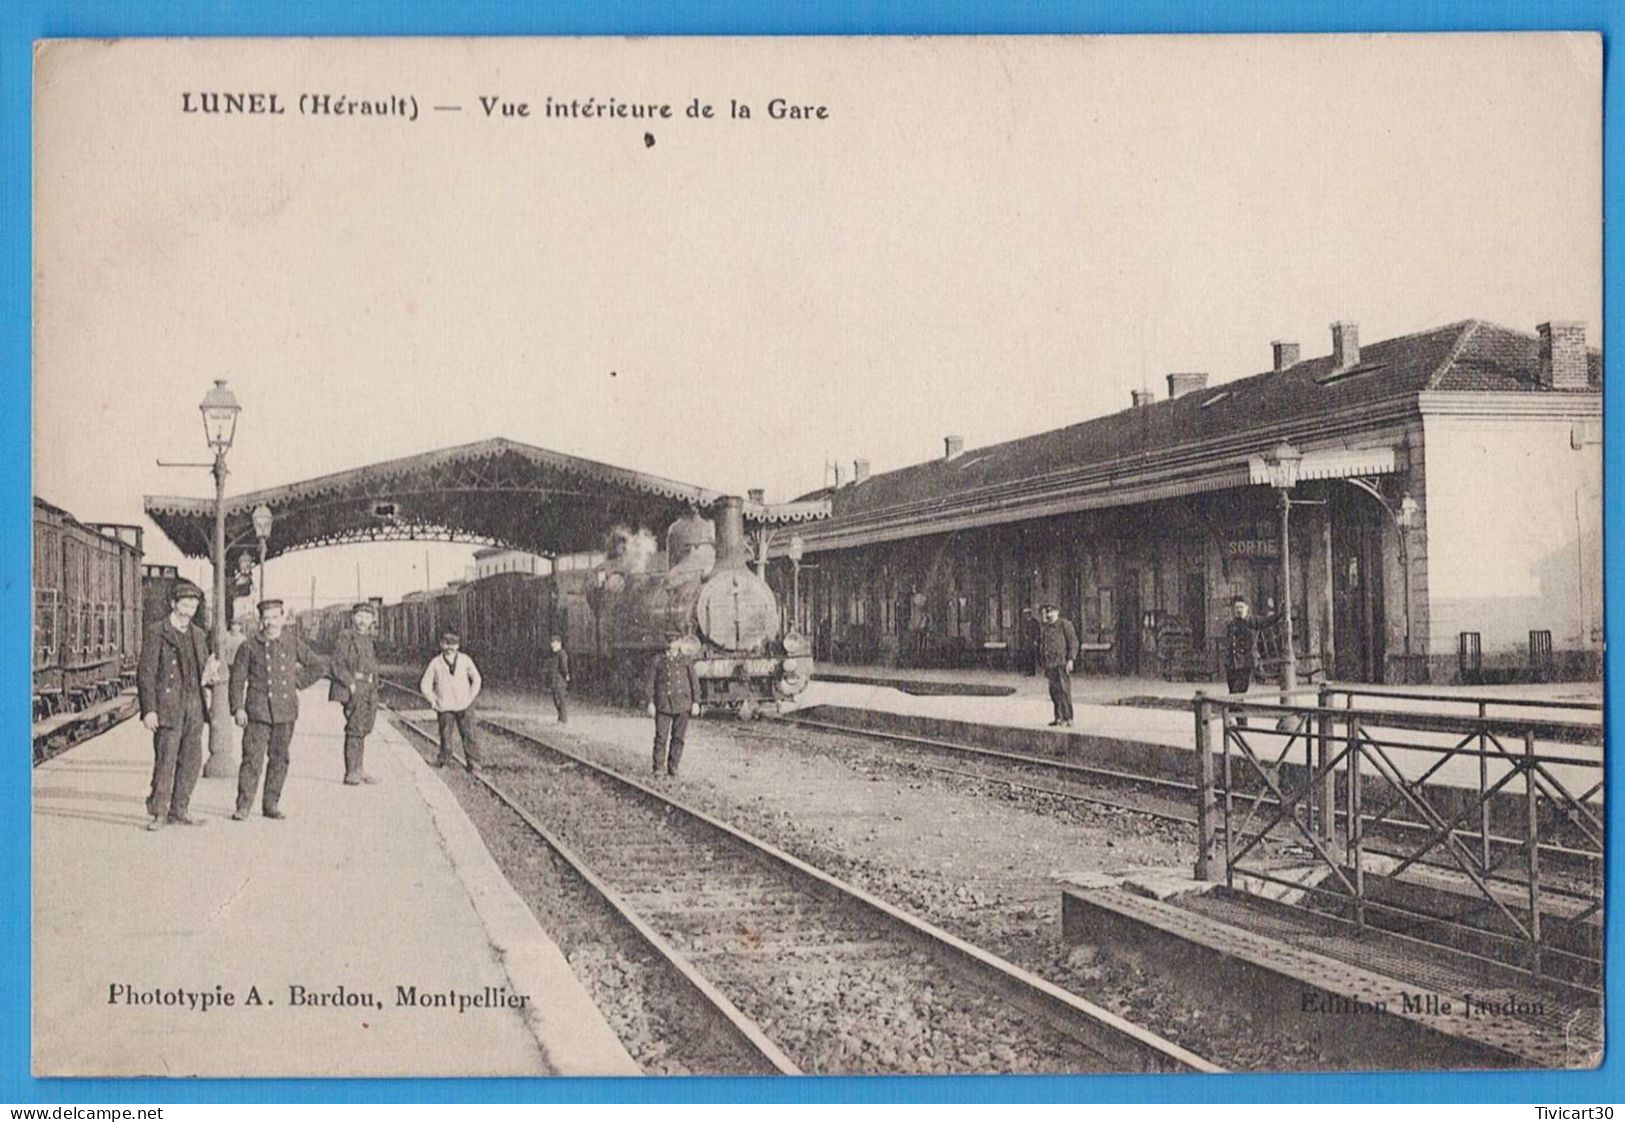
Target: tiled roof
[1466, 356]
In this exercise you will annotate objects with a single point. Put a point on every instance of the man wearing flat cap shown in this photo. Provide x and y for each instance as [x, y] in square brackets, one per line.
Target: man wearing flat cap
[175, 668]
[1057, 650]
[450, 683]
[355, 686]
[265, 679]
[674, 696]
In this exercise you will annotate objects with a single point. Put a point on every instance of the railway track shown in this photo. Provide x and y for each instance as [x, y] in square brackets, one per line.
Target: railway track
[1013, 770]
[814, 974]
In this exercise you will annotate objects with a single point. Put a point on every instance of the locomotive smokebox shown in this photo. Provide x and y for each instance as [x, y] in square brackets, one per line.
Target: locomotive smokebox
[730, 520]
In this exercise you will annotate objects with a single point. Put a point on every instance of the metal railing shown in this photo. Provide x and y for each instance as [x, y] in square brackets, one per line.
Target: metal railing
[1339, 794]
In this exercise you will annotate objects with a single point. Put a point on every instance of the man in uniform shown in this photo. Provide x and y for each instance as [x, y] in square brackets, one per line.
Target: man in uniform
[1057, 649]
[1241, 654]
[174, 669]
[557, 677]
[674, 696]
[355, 686]
[265, 699]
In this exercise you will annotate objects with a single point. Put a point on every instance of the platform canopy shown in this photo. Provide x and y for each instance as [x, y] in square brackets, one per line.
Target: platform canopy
[494, 492]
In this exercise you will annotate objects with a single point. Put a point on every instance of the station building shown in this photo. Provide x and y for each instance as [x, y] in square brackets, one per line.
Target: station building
[1446, 522]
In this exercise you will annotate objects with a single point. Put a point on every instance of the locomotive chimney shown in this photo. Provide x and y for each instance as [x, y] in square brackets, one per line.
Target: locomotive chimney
[730, 520]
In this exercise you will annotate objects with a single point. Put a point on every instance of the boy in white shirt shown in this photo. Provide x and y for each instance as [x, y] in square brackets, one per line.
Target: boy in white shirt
[450, 684]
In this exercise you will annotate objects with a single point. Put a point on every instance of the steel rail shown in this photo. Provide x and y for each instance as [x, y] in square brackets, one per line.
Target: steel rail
[1188, 789]
[1125, 1045]
[994, 753]
[748, 1032]
[1099, 1030]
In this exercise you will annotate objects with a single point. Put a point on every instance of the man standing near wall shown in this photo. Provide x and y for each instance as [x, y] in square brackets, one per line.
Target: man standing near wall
[1057, 650]
[556, 676]
[1241, 646]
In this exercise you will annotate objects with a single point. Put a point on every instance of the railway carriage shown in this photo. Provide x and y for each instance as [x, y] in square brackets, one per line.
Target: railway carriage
[87, 611]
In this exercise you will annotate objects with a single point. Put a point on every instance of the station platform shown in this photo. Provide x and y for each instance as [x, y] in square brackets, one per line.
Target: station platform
[1126, 715]
[371, 923]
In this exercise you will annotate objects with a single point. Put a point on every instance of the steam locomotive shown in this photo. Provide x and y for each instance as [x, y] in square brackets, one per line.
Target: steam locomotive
[615, 615]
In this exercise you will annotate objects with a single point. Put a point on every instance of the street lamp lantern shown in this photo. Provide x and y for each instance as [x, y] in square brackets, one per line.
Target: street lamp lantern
[220, 411]
[797, 549]
[1283, 464]
[1405, 517]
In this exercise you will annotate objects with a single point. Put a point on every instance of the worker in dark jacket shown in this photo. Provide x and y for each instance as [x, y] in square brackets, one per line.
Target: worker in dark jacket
[1241, 645]
[265, 700]
[556, 676]
[355, 686]
[674, 697]
[1057, 650]
[174, 670]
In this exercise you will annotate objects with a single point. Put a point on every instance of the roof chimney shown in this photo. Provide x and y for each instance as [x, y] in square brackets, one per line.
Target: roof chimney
[1345, 344]
[1181, 384]
[952, 446]
[1563, 363]
[860, 470]
[757, 495]
[1142, 398]
[1286, 354]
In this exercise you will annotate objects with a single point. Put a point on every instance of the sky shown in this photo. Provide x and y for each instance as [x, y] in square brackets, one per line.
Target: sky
[989, 238]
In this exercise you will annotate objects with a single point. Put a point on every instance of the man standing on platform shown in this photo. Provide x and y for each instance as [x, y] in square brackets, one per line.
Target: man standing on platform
[450, 684]
[1057, 649]
[265, 699]
[557, 677]
[355, 686]
[674, 697]
[1241, 646]
[174, 669]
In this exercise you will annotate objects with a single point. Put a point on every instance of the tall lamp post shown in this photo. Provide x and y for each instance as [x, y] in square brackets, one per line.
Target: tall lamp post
[220, 411]
[1404, 519]
[796, 551]
[1283, 464]
[262, 530]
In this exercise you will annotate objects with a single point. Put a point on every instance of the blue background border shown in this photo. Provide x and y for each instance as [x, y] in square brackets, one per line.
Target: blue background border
[21, 23]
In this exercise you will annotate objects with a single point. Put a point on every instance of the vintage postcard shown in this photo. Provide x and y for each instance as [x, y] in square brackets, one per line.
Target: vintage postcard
[817, 556]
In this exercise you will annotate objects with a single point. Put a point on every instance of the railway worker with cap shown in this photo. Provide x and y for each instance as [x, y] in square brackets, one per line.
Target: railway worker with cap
[355, 686]
[1057, 650]
[556, 675]
[450, 684]
[265, 700]
[1241, 645]
[175, 668]
[674, 697]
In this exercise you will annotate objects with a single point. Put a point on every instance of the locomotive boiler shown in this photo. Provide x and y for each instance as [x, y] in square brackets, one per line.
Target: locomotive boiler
[702, 589]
